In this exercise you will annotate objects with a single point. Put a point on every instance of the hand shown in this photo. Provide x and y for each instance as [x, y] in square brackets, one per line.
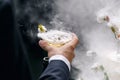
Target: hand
[66, 50]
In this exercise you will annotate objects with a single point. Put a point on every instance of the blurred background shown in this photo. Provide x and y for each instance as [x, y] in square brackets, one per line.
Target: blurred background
[78, 16]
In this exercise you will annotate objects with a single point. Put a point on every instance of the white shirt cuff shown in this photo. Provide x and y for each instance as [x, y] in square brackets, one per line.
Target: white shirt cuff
[62, 58]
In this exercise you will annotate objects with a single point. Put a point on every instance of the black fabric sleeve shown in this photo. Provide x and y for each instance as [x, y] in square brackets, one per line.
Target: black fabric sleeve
[56, 70]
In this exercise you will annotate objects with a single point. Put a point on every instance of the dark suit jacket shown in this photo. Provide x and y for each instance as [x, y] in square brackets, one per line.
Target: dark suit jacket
[19, 60]
[56, 70]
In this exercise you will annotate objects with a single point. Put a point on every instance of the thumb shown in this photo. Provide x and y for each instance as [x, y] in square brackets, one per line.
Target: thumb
[74, 41]
[44, 45]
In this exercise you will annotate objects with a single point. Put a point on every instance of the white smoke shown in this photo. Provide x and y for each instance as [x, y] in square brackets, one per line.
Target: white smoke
[79, 16]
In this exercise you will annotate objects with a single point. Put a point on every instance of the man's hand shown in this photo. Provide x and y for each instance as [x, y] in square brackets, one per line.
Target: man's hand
[66, 50]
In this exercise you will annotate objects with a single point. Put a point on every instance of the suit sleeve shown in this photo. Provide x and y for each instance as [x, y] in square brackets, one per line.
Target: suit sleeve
[56, 70]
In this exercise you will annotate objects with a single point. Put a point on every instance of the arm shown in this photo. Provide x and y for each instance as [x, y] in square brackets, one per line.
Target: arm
[60, 59]
[56, 70]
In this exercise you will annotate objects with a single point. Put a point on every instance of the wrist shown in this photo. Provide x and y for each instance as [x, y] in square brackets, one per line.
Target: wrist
[62, 58]
[68, 57]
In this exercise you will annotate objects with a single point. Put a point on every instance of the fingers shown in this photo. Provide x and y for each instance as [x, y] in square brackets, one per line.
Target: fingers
[44, 45]
[74, 41]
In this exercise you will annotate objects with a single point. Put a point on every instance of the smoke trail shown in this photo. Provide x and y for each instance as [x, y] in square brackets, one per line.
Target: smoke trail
[79, 16]
[30, 13]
